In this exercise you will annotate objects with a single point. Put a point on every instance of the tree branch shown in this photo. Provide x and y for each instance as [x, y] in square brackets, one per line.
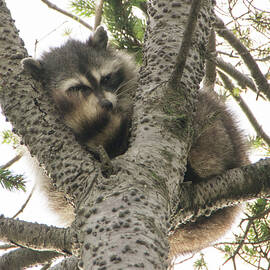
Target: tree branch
[256, 73]
[25, 203]
[185, 45]
[248, 182]
[67, 264]
[210, 67]
[228, 85]
[243, 80]
[7, 246]
[12, 161]
[172, 107]
[77, 19]
[23, 257]
[240, 244]
[98, 14]
[35, 236]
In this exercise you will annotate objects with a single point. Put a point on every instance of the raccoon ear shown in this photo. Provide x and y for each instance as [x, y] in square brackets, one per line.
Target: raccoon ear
[99, 39]
[33, 67]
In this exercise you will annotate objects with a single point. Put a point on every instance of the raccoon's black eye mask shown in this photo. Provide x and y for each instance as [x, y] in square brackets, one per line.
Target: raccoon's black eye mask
[112, 81]
[79, 87]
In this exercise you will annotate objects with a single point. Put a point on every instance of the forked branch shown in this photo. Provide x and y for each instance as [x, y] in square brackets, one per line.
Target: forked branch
[255, 71]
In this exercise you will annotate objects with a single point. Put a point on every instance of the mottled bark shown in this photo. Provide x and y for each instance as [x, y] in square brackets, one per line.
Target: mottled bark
[24, 257]
[233, 187]
[35, 236]
[67, 264]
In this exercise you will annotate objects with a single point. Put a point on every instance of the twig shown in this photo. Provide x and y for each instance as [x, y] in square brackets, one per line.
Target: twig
[26, 202]
[256, 73]
[7, 246]
[185, 260]
[260, 215]
[241, 243]
[243, 80]
[186, 44]
[245, 243]
[227, 54]
[53, 6]
[98, 14]
[12, 161]
[265, 59]
[229, 85]
[248, 262]
[38, 40]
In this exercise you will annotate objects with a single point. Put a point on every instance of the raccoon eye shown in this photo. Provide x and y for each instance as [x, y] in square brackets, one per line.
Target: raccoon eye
[111, 81]
[106, 79]
[79, 88]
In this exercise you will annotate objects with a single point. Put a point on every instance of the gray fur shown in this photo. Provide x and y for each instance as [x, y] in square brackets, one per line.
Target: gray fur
[217, 147]
[74, 75]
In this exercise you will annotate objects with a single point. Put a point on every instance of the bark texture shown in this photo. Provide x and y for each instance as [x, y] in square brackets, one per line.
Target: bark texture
[35, 236]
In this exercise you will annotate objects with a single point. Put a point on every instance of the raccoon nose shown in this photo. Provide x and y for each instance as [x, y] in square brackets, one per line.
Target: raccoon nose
[106, 104]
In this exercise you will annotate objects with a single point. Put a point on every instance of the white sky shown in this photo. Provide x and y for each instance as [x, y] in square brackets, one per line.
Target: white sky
[35, 21]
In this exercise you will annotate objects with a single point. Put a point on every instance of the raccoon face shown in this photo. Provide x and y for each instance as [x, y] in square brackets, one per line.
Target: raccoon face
[92, 86]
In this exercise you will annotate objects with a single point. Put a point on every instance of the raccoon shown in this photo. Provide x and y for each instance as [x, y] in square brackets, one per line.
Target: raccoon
[92, 86]
[219, 146]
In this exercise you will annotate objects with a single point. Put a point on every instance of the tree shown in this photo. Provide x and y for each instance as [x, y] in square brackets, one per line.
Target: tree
[121, 218]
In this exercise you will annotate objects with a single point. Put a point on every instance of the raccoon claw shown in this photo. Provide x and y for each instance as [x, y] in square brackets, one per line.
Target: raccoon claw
[33, 67]
[107, 168]
[100, 153]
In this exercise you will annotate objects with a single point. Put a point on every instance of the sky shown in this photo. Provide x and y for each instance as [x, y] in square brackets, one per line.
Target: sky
[37, 22]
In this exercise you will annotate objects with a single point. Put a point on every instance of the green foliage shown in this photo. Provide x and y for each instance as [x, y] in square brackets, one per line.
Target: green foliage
[200, 264]
[67, 31]
[256, 248]
[261, 23]
[260, 229]
[258, 207]
[258, 143]
[10, 181]
[251, 25]
[252, 244]
[9, 137]
[127, 29]
[83, 7]
[244, 35]
[236, 91]
[229, 250]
